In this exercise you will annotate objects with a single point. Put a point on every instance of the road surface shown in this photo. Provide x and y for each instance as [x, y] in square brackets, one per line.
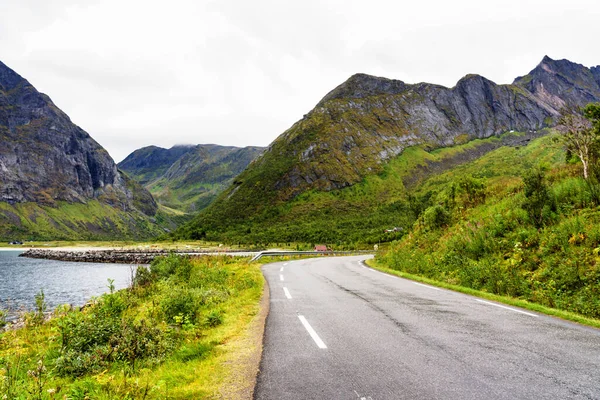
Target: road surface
[339, 330]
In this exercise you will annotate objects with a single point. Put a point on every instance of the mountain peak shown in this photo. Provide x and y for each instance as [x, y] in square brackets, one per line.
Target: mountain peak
[9, 78]
[363, 85]
[561, 82]
[546, 59]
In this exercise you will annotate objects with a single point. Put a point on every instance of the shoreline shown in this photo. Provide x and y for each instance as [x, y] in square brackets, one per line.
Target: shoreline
[117, 256]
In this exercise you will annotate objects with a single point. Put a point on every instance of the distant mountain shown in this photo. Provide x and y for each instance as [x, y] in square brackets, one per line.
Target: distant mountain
[55, 180]
[188, 178]
[367, 121]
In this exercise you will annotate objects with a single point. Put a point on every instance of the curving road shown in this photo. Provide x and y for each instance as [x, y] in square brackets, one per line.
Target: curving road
[339, 330]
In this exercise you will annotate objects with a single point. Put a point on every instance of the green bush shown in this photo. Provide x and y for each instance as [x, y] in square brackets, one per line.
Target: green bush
[435, 217]
[214, 318]
[181, 301]
[143, 277]
[539, 204]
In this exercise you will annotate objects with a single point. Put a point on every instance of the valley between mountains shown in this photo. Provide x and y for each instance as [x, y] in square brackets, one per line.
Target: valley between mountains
[488, 189]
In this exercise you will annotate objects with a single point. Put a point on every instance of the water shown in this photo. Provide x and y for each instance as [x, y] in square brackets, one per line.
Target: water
[62, 282]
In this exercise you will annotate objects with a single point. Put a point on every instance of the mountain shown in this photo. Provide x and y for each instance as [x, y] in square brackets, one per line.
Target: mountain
[49, 165]
[188, 178]
[365, 123]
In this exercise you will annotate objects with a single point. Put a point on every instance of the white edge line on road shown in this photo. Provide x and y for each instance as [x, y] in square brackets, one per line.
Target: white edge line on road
[287, 293]
[280, 277]
[507, 308]
[427, 286]
[312, 332]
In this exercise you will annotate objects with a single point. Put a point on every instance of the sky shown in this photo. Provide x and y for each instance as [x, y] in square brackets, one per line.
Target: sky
[134, 73]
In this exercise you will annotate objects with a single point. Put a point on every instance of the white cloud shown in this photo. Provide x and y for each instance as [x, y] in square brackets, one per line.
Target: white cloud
[134, 73]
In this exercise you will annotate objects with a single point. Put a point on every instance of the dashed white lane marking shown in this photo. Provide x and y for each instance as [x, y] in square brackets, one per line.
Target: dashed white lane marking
[281, 277]
[358, 396]
[312, 332]
[287, 293]
[506, 308]
[284, 264]
[427, 286]
[281, 269]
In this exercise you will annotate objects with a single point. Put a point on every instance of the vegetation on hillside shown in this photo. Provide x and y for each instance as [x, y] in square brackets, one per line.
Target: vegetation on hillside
[519, 222]
[351, 217]
[167, 337]
[94, 220]
[188, 178]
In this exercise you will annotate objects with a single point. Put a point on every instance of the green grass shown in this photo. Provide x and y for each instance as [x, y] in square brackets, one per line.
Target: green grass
[496, 244]
[352, 217]
[195, 315]
[74, 221]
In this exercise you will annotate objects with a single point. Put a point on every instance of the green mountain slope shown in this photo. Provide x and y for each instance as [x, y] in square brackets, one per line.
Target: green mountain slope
[188, 178]
[484, 227]
[355, 215]
[339, 175]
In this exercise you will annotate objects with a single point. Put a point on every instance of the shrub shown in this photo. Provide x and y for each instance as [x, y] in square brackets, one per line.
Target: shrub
[473, 190]
[172, 265]
[181, 301]
[143, 277]
[538, 202]
[36, 317]
[214, 318]
[435, 217]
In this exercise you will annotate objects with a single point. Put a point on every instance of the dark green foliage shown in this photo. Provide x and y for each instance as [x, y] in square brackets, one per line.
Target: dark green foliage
[37, 316]
[539, 204]
[143, 277]
[182, 303]
[473, 190]
[435, 217]
[165, 267]
[214, 318]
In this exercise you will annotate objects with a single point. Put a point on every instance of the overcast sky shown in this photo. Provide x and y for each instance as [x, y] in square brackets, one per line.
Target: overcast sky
[134, 73]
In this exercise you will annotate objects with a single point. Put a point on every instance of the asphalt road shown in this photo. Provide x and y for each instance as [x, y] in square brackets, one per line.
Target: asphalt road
[339, 330]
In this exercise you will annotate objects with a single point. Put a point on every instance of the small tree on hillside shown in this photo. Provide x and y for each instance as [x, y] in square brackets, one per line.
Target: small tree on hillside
[579, 134]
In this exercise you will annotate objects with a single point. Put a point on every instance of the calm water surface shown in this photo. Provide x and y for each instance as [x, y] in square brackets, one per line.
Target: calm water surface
[63, 282]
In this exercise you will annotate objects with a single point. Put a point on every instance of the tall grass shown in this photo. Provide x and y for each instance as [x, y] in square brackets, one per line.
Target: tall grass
[165, 337]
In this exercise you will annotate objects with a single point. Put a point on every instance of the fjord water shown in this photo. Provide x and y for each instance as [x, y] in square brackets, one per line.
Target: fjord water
[62, 282]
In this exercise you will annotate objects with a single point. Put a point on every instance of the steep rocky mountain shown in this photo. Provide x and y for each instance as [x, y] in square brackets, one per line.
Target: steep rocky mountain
[367, 121]
[188, 178]
[47, 162]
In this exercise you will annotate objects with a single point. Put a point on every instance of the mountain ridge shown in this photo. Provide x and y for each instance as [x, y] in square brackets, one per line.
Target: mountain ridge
[366, 121]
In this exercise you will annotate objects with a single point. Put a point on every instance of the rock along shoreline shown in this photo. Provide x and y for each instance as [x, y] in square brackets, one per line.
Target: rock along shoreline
[106, 256]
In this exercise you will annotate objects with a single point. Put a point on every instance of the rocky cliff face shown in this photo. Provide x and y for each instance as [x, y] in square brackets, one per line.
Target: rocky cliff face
[188, 178]
[360, 125]
[557, 83]
[56, 182]
[46, 158]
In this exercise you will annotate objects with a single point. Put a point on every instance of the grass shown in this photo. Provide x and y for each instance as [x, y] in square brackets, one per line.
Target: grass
[569, 316]
[351, 217]
[75, 221]
[189, 352]
[535, 242]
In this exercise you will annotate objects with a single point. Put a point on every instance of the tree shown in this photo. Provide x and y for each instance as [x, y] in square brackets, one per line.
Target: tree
[538, 202]
[580, 135]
